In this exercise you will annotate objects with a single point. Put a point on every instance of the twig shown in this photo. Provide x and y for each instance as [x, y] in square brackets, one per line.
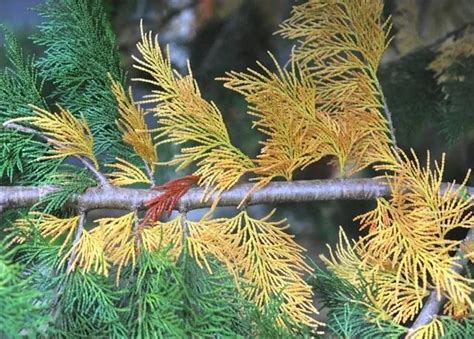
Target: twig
[86, 162]
[388, 116]
[113, 197]
[77, 238]
[149, 172]
[435, 301]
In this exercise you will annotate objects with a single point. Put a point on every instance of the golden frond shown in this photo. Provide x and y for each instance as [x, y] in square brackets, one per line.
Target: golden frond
[408, 232]
[162, 235]
[450, 53]
[270, 263]
[208, 238]
[388, 298]
[184, 116]
[433, 330]
[50, 226]
[126, 173]
[131, 123]
[88, 253]
[398, 298]
[340, 45]
[345, 262]
[119, 239]
[349, 27]
[283, 104]
[69, 136]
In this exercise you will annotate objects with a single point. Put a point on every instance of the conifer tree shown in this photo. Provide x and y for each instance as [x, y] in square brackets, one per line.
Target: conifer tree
[149, 272]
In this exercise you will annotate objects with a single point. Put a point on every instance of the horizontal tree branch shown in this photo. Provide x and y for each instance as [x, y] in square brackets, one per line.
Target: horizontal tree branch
[113, 197]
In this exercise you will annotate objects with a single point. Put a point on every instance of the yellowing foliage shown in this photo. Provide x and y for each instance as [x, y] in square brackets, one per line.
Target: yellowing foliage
[161, 235]
[184, 116]
[69, 136]
[284, 106]
[433, 330]
[408, 232]
[88, 253]
[265, 259]
[126, 174]
[50, 226]
[131, 123]
[329, 101]
[119, 242]
[388, 298]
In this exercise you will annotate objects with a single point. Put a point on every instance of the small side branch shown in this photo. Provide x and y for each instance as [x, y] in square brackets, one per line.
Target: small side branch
[433, 304]
[77, 238]
[99, 176]
[388, 116]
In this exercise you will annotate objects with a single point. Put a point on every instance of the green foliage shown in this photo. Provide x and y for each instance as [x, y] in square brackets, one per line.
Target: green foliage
[71, 181]
[154, 298]
[417, 101]
[81, 304]
[21, 311]
[157, 296]
[457, 115]
[412, 94]
[88, 306]
[349, 309]
[164, 299]
[458, 329]
[20, 86]
[80, 55]
[213, 305]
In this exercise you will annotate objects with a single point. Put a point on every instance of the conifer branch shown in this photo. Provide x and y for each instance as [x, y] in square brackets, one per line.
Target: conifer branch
[77, 238]
[388, 116]
[100, 177]
[113, 197]
[434, 302]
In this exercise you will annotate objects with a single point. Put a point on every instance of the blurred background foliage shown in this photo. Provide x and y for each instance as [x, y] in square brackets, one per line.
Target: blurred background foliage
[223, 35]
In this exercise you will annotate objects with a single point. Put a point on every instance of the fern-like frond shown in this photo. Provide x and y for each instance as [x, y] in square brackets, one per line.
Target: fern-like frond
[69, 136]
[162, 235]
[388, 298]
[341, 43]
[131, 123]
[184, 116]
[50, 226]
[409, 232]
[88, 253]
[208, 240]
[80, 52]
[119, 239]
[351, 311]
[433, 330]
[126, 173]
[266, 259]
[327, 28]
[284, 105]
